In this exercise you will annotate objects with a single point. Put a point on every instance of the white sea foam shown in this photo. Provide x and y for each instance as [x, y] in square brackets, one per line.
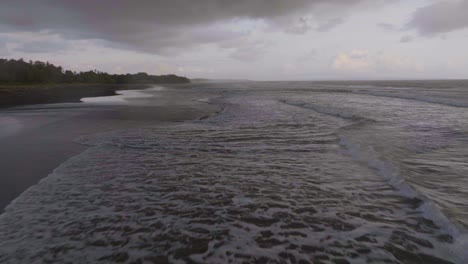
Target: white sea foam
[122, 97]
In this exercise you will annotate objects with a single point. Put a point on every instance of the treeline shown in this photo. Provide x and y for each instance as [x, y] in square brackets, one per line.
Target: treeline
[38, 72]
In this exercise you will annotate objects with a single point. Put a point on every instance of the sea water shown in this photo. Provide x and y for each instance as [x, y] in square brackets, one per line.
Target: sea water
[288, 172]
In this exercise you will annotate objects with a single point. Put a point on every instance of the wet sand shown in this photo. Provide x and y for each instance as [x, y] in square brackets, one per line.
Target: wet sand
[42, 136]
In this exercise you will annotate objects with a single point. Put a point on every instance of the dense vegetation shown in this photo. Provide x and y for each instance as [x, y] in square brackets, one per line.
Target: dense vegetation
[38, 72]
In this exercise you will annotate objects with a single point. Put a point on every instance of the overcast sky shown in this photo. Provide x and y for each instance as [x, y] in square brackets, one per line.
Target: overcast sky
[243, 39]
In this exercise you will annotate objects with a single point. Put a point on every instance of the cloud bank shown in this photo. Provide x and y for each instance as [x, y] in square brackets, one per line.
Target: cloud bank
[440, 17]
[161, 26]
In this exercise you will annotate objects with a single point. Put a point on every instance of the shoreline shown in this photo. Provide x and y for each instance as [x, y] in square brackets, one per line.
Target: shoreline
[59, 93]
[47, 136]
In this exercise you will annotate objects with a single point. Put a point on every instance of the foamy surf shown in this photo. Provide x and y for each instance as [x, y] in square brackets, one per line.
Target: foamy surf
[427, 207]
[422, 98]
[361, 149]
[122, 97]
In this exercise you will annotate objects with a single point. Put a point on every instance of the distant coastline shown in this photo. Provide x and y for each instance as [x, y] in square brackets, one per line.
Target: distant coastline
[23, 83]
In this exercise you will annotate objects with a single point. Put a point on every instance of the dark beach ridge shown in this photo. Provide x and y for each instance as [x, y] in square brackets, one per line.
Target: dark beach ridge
[13, 95]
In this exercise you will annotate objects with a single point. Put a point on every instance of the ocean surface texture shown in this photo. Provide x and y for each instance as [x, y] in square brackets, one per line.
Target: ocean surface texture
[287, 172]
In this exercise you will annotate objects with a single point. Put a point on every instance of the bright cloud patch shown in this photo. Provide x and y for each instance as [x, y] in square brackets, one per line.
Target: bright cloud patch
[355, 60]
[364, 61]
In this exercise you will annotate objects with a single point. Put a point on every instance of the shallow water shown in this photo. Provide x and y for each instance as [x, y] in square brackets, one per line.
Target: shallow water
[286, 173]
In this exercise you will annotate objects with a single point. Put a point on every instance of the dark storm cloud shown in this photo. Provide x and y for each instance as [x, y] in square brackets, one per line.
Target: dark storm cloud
[387, 26]
[406, 39]
[330, 24]
[151, 25]
[41, 46]
[440, 17]
[3, 48]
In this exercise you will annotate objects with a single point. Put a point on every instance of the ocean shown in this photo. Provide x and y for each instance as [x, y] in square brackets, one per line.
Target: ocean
[286, 172]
